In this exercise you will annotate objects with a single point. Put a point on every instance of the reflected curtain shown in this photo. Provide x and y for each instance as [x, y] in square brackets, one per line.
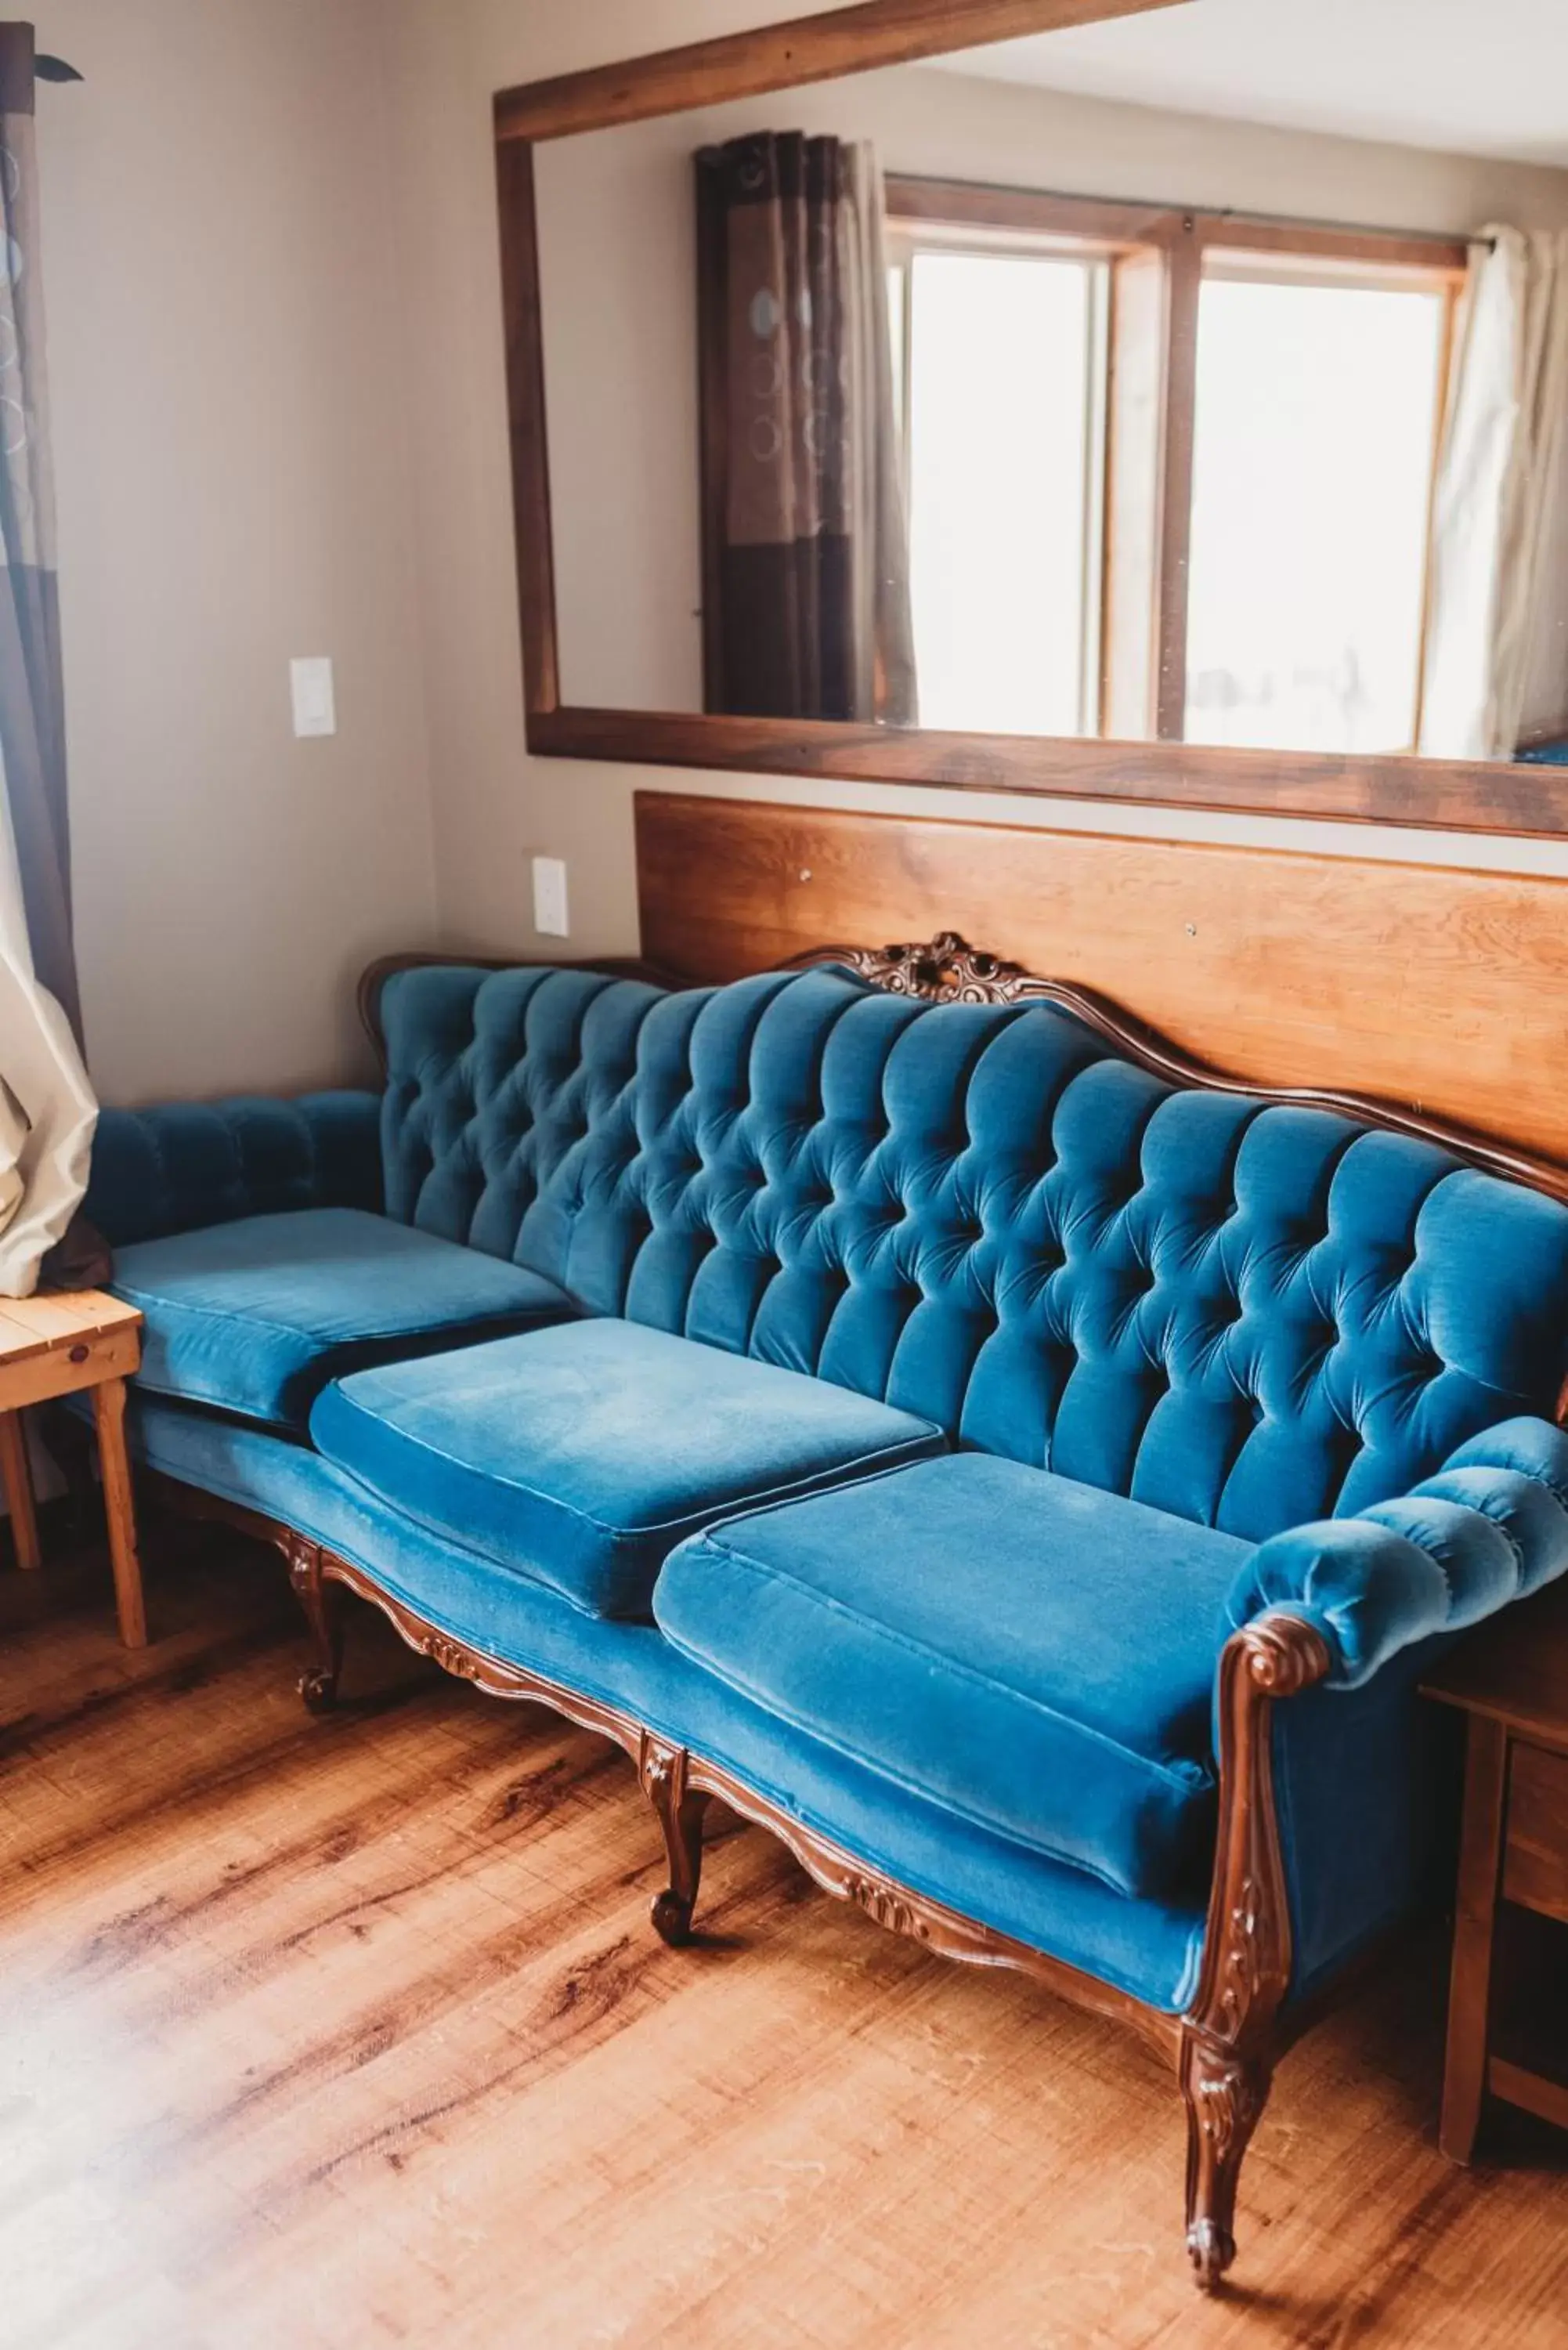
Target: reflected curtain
[47, 1109]
[806, 542]
[1502, 450]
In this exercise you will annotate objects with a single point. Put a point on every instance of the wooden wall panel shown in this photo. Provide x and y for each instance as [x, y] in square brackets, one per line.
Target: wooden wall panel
[1444, 991]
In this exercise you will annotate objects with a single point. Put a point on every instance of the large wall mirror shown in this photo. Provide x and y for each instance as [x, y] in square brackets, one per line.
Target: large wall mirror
[1173, 406]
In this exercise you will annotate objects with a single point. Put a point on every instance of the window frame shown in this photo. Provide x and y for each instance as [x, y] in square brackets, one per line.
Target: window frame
[1158, 257]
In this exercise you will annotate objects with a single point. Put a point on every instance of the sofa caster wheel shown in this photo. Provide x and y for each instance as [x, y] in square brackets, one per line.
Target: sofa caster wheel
[673, 1920]
[1211, 2250]
[319, 1690]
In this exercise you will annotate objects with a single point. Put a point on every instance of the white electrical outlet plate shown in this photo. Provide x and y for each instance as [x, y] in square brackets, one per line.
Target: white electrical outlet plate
[315, 697]
[551, 918]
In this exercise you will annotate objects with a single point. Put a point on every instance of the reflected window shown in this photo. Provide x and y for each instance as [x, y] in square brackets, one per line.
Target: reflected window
[1037, 395]
[1319, 405]
[1165, 475]
[1001, 361]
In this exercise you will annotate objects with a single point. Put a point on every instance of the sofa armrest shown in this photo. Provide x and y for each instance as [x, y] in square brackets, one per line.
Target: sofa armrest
[1337, 1806]
[1490, 1527]
[179, 1167]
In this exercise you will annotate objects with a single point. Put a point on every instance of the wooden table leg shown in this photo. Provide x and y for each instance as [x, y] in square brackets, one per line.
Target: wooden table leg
[1475, 1924]
[19, 1487]
[109, 1410]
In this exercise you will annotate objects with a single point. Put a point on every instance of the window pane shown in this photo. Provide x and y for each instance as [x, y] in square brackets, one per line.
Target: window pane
[998, 472]
[1317, 412]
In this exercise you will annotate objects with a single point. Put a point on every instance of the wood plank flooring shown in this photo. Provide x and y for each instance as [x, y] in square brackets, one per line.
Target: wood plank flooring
[354, 2033]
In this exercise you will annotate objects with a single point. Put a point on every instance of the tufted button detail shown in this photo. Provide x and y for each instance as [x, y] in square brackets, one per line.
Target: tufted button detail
[568, 1090]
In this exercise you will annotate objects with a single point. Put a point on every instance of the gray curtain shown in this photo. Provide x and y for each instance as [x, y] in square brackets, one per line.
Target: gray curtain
[31, 712]
[808, 557]
[47, 1113]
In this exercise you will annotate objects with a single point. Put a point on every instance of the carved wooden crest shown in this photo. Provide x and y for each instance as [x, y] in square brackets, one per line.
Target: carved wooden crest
[945, 969]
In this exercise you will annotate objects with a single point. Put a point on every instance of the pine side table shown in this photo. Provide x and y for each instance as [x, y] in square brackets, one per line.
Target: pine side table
[60, 1345]
[1508, 1995]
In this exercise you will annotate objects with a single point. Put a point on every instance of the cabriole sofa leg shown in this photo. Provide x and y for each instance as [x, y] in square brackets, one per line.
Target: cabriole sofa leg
[679, 1811]
[1225, 2095]
[323, 1604]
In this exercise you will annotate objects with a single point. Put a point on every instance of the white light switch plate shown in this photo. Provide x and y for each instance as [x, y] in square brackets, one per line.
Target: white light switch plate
[314, 697]
[551, 918]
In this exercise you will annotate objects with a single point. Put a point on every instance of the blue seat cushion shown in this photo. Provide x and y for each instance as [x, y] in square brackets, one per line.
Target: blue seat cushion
[1035, 1656]
[255, 1317]
[580, 1456]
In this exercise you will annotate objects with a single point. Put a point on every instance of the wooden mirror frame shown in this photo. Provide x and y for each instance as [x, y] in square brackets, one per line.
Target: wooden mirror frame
[1373, 788]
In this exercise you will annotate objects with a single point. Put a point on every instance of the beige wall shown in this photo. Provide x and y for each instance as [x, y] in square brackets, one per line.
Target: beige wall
[280, 428]
[228, 326]
[494, 804]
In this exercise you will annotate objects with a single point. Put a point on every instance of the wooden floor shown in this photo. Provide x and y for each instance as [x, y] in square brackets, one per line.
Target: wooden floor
[354, 2033]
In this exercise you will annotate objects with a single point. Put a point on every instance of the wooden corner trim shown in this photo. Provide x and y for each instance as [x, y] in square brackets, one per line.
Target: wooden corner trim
[1248, 1951]
[1234, 2033]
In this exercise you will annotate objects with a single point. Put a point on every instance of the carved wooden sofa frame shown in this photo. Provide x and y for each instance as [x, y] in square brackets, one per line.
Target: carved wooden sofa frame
[1225, 2047]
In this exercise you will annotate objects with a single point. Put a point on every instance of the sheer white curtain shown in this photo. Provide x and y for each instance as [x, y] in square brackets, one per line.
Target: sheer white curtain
[879, 532]
[47, 1113]
[1497, 475]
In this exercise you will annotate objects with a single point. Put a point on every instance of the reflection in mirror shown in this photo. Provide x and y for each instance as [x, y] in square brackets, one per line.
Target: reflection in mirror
[1002, 422]
[1167, 378]
[1318, 404]
[807, 543]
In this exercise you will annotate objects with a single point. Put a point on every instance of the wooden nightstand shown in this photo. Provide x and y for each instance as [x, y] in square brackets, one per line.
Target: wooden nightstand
[60, 1345]
[1509, 1998]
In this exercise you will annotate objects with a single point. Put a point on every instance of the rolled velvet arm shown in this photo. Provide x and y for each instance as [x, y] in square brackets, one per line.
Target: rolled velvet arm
[172, 1169]
[1490, 1527]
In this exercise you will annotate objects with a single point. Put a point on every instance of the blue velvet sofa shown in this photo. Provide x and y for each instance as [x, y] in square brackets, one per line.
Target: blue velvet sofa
[1028, 1476]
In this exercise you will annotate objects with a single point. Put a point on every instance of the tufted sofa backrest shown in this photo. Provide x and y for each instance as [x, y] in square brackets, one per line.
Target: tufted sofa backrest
[1247, 1313]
